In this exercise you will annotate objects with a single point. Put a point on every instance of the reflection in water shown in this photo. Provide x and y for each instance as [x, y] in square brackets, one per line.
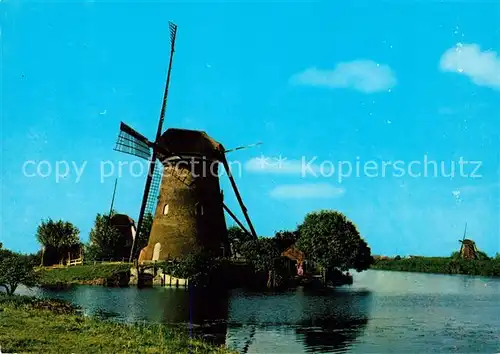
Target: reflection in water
[335, 321]
[325, 321]
[204, 311]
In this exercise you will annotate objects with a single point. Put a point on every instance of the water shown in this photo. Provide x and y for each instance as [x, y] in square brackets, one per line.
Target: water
[382, 312]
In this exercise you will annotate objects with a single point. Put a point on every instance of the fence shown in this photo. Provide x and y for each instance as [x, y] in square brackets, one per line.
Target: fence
[106, 260]
[76, 261]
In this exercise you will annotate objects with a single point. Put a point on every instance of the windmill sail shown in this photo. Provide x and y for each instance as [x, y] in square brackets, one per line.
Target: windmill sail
[154, 189]
[131, 142]
[149, 198]
[243, 147]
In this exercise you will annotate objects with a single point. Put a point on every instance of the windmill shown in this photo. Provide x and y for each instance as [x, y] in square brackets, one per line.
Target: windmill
[468, 249]
[189, 210]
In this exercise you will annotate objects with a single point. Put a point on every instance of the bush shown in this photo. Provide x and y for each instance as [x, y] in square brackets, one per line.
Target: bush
[16, 269]
[28, 302]
[197, 267]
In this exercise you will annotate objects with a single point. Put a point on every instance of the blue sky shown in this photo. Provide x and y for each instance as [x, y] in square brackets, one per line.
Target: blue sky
[368, 82]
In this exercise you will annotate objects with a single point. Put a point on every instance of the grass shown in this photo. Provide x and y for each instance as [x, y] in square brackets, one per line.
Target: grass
[440, 265]
[98, 274]
[50, 326]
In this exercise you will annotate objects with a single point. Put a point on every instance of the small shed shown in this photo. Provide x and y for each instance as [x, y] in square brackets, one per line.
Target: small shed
[294, 254]
[296, 257]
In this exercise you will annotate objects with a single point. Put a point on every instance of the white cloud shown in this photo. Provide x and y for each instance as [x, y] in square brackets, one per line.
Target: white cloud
[303, 191]
[482, 67]
[363, 75]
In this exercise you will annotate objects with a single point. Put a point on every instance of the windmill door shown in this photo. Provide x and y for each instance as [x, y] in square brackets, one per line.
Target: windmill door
[156, 251]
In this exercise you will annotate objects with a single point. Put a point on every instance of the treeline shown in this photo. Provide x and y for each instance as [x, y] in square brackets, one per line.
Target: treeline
[60, 241]
[441, 265]
[327, 239]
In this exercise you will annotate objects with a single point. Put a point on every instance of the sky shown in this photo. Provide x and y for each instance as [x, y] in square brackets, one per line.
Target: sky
[385, 111]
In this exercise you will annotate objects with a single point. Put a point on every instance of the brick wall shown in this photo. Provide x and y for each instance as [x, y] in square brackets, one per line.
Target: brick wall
[195, 217]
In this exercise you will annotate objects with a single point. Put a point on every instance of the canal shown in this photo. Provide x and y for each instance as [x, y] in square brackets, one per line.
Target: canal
[381, 312]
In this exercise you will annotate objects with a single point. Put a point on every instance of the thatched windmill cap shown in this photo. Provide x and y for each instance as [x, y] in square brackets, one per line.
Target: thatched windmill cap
[184, 142]
[121, 220]
[467, 241]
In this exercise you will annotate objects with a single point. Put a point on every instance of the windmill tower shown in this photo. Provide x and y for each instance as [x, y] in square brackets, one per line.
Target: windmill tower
[468, 249]
[189, 211]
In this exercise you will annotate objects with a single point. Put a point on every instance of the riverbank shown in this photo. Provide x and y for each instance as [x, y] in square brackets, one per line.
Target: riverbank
[48, 326]
[108, 274]
[440, 265]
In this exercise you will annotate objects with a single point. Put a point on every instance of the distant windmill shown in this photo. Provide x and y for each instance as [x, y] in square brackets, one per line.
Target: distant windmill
[468, 249]
[189, 211]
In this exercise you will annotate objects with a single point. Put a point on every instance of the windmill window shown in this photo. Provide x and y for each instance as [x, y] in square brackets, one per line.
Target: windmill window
[165, 209]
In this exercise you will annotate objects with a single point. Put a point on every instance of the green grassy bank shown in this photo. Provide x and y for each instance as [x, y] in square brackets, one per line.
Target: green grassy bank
[440, 265]
[50, 326]
[98, 274]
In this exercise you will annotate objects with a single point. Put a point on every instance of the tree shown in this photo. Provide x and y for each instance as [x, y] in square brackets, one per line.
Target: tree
[237, 237]
[328, 238]
[285, 239]
[56, 238]
[263, 254]
[482, 256]
[364, 259]
[105, 240]
[16, 269]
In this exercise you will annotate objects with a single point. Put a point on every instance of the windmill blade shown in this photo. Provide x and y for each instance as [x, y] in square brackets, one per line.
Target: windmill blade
[465, 231]
[173, 31]
[238, 196]
[155, 147]
[231, 214]
[132, 142]
[154, 190]
[243, 147]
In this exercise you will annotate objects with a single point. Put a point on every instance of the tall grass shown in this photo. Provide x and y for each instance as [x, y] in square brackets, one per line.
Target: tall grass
[32, 325]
